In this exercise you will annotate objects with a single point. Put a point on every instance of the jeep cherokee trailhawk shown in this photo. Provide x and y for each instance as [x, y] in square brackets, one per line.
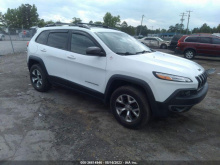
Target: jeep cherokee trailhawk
[111, 65]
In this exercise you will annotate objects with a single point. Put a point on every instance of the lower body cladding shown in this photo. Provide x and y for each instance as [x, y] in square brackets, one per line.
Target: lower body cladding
[180, 101]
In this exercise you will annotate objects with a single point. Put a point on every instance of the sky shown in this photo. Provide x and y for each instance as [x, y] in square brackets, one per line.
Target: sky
[157, 13]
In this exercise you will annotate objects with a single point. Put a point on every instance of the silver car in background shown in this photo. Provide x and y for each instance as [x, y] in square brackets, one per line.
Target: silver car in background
[155, 42]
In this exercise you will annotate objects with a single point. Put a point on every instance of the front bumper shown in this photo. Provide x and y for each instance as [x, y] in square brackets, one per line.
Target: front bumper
[178, 99]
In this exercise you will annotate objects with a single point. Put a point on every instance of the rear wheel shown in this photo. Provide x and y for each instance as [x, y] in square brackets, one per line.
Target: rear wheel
[38, 79]
[189, 54]
[130, 107]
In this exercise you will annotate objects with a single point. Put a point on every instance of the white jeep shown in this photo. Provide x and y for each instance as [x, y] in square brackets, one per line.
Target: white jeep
[138, 82]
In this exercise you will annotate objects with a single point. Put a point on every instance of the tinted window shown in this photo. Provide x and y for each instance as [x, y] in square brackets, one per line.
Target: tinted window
[147, 39]
[176, 37]
[153, 39]
[57, 40]
[42, 38]
[192, 39]
[215, 41]
[79, 43]
[205, 40]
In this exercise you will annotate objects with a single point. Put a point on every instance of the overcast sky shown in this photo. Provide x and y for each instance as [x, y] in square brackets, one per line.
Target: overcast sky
[158, 13]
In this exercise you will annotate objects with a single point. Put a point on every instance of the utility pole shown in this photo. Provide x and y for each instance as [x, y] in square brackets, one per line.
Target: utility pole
[152, 28]
[188, 21]
[141, 24]
[182, 19]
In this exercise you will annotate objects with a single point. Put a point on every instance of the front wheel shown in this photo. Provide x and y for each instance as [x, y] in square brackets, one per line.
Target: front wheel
[130, 107]
[189, 54]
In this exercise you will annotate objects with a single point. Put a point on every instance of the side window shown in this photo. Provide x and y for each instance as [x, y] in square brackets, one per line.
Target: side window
[205, 40]
[192, 39]
[42, 38]
[147, 39]
[79, 43]
[216, 41]
[57, 40]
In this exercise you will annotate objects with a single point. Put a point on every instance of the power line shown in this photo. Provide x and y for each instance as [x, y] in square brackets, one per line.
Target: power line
[188, 21]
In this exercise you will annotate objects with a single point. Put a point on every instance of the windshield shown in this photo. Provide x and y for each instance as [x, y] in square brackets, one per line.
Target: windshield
[159, 39]
[122, 43]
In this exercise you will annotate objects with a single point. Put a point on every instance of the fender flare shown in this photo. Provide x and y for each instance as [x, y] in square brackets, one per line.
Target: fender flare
[134, 81]
[33, 59]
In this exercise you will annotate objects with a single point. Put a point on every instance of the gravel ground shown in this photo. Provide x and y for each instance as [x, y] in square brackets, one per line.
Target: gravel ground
[65, 125]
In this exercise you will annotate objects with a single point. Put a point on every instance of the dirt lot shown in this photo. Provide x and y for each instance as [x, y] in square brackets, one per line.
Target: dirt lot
[65, 125]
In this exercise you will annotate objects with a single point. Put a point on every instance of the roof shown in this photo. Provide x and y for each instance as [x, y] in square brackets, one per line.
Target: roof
[80, 26]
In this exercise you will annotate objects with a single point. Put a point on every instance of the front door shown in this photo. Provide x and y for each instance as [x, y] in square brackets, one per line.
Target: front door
[86, 70]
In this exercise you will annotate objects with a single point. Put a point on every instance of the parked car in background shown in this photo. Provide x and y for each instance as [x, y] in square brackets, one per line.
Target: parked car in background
[199, 44]
[2, 37]
[24, 34]
[174, 41]
[155, 42]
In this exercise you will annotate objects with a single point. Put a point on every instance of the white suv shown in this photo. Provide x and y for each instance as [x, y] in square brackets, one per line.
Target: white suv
[139, 83]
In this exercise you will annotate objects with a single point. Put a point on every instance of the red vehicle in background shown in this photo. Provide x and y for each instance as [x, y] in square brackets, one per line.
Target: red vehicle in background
[199, 45]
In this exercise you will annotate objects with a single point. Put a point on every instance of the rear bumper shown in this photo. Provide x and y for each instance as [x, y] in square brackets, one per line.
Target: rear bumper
[178, 51]
[179, 99]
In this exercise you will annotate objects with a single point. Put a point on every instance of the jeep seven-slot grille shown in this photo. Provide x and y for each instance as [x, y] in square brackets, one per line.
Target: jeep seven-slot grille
[201, 79]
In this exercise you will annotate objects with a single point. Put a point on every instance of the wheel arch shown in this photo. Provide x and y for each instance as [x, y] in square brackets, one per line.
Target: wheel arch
[189, 49]
[117, 81]
[36, 60]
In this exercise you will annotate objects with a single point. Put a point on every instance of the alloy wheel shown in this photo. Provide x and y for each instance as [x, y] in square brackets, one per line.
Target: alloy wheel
[127, 108]
[36, 78]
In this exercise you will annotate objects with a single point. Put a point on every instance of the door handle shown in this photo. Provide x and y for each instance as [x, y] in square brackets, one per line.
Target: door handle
[71, 57]
[43, 50]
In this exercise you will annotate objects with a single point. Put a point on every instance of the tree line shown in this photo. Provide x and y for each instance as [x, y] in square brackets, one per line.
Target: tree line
[26, 16]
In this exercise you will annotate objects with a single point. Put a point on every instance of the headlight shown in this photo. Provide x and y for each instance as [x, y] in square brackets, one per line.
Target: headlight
[170, 77]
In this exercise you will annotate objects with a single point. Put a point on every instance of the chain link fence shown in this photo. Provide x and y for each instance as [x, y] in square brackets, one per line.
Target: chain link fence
[13, 40]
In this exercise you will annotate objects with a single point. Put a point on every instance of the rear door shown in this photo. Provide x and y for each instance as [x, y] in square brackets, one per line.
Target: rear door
[54, 53]
[204, 46]
[216, 46]
[154, 42]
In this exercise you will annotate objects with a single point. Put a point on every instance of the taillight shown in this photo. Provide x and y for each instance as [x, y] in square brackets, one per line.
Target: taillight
[178, 44]
[28, 43]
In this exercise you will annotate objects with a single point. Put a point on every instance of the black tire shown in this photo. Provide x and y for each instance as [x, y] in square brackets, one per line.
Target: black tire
[189, 54]
[39, 79]
[163, 46]
[140, 98]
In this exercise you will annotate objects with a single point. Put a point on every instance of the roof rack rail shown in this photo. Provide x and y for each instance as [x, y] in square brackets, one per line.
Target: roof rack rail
[83, 25]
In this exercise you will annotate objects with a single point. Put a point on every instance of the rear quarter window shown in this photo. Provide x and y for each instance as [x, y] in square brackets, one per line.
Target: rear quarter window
[205, 40]
[42, 37]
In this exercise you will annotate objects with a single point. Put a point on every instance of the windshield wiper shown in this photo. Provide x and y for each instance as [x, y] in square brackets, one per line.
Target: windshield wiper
[126, 53]
[142, 52]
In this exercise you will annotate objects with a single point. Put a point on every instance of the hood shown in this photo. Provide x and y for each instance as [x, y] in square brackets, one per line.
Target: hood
[173, 64]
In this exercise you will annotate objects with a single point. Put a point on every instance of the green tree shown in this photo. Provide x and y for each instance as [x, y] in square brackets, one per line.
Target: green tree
[144, 30]
[98, 23]
[24, 16]
[110, 20]
[205, 28]
[76, 20]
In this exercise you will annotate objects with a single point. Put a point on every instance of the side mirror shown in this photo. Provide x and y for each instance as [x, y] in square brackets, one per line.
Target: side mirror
[96, 51]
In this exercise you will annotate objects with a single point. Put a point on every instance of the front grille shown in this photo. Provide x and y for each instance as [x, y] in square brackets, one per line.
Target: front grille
[202, 78]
